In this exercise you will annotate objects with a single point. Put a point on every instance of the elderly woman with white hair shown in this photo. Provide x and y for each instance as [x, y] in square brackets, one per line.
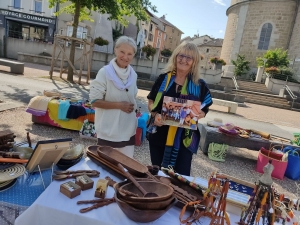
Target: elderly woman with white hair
[113, 93]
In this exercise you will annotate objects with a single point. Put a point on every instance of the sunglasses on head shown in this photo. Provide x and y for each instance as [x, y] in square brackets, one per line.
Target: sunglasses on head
[187, 58]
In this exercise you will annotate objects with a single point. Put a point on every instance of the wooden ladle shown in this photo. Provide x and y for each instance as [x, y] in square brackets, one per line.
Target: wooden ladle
[130, 177]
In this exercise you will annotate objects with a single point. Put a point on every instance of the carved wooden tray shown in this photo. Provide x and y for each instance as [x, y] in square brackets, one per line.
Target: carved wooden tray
[92, 153]
[114, 157]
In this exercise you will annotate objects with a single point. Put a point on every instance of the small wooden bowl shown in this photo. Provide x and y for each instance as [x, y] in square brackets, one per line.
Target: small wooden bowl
[149, 205]
[142, 215]
[162, 190]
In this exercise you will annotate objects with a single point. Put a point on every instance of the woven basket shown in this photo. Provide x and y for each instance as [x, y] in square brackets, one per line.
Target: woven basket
[12, 172]
[53, 93]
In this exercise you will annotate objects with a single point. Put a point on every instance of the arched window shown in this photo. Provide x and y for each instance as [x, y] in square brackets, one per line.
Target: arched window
[265, 35]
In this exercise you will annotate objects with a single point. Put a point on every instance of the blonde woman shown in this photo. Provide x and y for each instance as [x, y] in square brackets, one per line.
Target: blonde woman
[172, 146]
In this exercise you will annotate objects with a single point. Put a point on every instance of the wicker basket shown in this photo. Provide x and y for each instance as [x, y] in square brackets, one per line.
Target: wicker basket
[53, 93]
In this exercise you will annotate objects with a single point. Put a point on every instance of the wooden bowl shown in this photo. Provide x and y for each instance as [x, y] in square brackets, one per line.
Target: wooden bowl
[149, 205]
[162, 190]
[142, 215]
[114, 156]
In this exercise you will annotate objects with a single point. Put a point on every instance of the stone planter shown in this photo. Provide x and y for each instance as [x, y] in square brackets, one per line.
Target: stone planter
[217, 66]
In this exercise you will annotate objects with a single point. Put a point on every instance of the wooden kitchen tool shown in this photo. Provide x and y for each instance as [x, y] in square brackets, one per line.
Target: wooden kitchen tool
[128, 175]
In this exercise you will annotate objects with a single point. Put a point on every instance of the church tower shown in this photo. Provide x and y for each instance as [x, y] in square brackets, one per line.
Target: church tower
[255, 26]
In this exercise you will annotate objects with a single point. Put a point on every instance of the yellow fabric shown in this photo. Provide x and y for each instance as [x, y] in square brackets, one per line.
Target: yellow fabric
[168, 80]
[53, 114]
[159, 94]
[171, 136]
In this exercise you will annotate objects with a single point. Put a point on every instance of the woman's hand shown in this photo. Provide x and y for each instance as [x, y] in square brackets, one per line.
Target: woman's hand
[201, 114]
[158, 122]
[127, 107]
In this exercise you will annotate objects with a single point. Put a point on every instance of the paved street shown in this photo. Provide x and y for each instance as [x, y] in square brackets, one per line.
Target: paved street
[20, 89]
[280, 122]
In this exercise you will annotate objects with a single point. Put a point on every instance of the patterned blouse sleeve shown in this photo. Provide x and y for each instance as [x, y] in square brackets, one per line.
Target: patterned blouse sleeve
[155, 87]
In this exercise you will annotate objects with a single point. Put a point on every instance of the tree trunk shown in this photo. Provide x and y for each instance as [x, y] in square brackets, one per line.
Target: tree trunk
[74, 35]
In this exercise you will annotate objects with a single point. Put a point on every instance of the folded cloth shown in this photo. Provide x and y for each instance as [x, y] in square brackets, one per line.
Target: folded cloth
[63, 109]
[75, 111]
[38, 105]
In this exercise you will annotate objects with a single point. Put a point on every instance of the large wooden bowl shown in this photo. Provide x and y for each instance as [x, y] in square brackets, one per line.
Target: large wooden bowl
[114, 156]
[142, 215]
[162, 190]
[149, 205]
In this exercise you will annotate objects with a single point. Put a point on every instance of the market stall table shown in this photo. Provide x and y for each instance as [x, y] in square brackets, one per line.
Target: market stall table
[212, 134]
[51, 118]
[52, 207]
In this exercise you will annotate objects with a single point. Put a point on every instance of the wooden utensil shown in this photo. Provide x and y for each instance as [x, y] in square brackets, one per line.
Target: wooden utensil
[128, 175]
[13, 160]
[75, 171]
[66, 176]
[178, 189]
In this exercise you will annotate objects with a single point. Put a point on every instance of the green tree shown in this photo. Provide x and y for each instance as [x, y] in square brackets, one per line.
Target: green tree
[117, 31]
[241, 65]
[275, 57]
[81, 10]
[149, 50]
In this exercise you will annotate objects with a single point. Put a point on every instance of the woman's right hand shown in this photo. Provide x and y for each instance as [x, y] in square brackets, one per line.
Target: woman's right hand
[158, 122]
[127, 107]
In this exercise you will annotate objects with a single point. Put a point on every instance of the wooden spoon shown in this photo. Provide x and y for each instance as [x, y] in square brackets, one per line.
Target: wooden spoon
[130, 177]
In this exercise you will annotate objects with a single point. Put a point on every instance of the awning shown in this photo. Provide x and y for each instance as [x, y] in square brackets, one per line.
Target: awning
[27, 21]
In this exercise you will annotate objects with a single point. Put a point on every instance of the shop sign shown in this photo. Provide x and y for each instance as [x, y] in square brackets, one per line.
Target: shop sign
[26, 16]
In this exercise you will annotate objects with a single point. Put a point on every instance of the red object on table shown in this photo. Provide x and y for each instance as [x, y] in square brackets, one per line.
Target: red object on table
[138, 136]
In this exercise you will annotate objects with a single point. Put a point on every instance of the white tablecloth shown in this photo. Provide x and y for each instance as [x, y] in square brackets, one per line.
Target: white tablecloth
[54, 208]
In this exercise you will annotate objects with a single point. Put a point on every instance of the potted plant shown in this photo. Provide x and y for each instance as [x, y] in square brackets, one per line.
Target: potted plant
[101, 41]
[166, 53]
[218, 62]
[149, 50]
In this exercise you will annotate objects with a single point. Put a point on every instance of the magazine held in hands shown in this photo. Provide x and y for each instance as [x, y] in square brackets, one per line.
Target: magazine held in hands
[181, 112]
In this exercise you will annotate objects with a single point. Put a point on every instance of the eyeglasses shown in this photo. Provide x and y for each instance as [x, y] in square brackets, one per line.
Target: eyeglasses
[187, 58]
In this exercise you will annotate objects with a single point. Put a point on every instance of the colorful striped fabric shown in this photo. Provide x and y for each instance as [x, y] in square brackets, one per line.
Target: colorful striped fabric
[191, 138]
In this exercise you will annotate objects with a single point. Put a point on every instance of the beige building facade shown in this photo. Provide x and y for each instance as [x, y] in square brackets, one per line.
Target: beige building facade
[173, 34]
[253, 27]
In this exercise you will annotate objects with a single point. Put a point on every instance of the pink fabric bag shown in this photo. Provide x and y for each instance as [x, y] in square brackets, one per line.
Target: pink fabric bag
[279, 165]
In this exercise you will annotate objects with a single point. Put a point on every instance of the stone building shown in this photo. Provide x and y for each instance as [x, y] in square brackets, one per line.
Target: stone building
[253, 27]
[28, 20]
[197, 39]
[173, 34]
[209, 50]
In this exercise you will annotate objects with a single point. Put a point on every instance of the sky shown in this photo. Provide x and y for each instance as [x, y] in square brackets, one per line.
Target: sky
[195, 16]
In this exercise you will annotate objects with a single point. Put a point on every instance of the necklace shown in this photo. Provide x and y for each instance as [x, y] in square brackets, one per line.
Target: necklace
[126, 89]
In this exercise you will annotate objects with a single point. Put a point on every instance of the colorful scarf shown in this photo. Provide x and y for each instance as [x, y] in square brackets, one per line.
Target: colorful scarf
[191, 138]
